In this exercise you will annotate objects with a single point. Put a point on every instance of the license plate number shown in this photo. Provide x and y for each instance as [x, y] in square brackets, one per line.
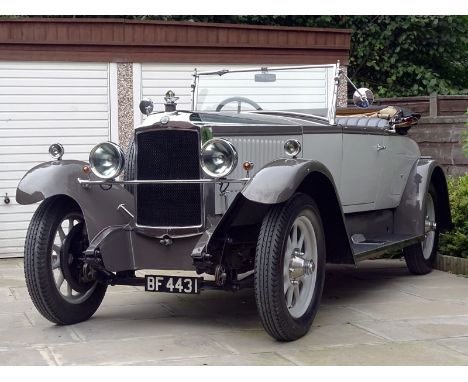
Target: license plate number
[173, 284]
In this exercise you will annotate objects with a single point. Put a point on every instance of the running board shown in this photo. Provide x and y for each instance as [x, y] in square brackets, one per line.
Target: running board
[376, 247]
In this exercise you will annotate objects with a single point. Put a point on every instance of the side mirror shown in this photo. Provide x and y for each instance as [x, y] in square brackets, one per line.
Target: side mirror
[146, 106]
[363, 97]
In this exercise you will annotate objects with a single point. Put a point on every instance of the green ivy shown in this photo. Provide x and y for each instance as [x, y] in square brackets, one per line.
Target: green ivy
[455, 242]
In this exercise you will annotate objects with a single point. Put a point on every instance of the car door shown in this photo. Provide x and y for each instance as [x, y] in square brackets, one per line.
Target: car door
[398, 156]
[360, 173]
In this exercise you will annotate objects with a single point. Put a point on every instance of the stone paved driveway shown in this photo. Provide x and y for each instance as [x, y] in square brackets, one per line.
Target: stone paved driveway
[377, 314]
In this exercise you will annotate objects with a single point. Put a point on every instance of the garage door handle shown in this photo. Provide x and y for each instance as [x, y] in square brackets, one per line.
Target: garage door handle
[6, 199]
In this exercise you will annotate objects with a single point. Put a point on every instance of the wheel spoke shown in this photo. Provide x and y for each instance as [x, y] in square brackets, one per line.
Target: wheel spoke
[296, 293]
[56, 248]
[300, 243]
[61, 233]
[294, 236]
[60, 280]
[289, 296]
[56, 263]
[69, 289]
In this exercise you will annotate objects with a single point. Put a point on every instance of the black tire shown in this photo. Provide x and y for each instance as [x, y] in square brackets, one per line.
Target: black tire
[414, 255]
[38, 271]
[130, 166]
[269, 262]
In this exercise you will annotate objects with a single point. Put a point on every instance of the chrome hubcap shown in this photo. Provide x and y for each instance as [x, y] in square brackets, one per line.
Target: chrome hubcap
[430, 227]
[63, 286]
[299, 273]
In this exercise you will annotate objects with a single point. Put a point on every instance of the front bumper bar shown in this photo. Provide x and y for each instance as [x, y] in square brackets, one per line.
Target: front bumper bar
[160, 181]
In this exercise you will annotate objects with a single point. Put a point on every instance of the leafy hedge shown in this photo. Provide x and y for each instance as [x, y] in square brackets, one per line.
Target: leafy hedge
[455, 242]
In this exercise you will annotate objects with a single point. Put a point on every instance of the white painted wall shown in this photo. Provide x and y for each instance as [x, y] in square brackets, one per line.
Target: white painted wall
[43, 103]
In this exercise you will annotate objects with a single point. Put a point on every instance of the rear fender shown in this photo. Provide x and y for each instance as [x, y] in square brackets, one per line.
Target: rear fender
[99, 206]
[409, 215]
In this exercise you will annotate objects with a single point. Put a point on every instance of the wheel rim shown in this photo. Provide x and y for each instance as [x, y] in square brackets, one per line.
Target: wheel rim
[428, 243]
[299, 268]
[63, 286]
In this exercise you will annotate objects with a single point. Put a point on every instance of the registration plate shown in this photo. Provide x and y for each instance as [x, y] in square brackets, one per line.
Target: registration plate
[173, 284]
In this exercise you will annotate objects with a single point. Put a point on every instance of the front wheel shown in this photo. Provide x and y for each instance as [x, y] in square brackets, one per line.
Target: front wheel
[61, 287]
[290, 268]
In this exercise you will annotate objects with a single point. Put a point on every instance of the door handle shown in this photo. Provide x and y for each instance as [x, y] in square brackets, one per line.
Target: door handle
[380, 147]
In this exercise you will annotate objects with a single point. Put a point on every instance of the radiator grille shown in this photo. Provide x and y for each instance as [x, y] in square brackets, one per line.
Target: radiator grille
[168, 154]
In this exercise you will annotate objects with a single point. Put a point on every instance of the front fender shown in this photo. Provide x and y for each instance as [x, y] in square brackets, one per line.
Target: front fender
[60, 178]
[279, 180]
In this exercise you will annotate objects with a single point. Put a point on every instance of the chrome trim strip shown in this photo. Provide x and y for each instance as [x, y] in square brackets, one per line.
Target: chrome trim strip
[165, 181]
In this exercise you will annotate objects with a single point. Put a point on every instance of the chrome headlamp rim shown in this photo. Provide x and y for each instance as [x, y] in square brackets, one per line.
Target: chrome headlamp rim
[298, 148]
[120, 157]
[234, 156]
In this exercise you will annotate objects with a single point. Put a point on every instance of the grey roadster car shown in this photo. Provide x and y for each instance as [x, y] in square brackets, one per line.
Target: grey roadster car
[259, 185]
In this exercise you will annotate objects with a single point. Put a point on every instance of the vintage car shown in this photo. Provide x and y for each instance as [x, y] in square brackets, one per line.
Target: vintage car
[259, 185]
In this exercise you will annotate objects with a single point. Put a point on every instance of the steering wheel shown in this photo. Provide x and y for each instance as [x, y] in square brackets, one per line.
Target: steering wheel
[239, 100]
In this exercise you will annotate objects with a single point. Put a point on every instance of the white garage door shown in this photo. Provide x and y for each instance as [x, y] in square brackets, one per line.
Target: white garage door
[42, 103]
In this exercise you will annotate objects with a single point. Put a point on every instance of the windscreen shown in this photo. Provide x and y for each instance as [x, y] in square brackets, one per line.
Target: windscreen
[305, 90]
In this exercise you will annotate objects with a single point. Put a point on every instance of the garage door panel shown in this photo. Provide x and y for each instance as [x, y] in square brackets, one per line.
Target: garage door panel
[47, 116]
[70, 90]
[16, 217]
[43, 157]
[13, 234]
[55, 124]
[14, 226]
[44, 142]
[15, 208]
[51, 107]
[53, 99]
[40, 149]
[58, 132]
[53, 82]
[12, 242]
[45, 65]
[11, 251]
[43, 103]
[47, 73]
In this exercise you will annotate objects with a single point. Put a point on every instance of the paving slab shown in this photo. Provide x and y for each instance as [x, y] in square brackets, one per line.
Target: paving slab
[387, 354]
[124, 351]
[18, 356]
[418, 329]
[406, 310]
[255, 359]
[373, 314]
[458, 344]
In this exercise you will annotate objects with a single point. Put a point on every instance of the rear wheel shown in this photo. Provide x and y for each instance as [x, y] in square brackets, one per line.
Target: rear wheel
[61, 287]
[290, 268]
[420, 257]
